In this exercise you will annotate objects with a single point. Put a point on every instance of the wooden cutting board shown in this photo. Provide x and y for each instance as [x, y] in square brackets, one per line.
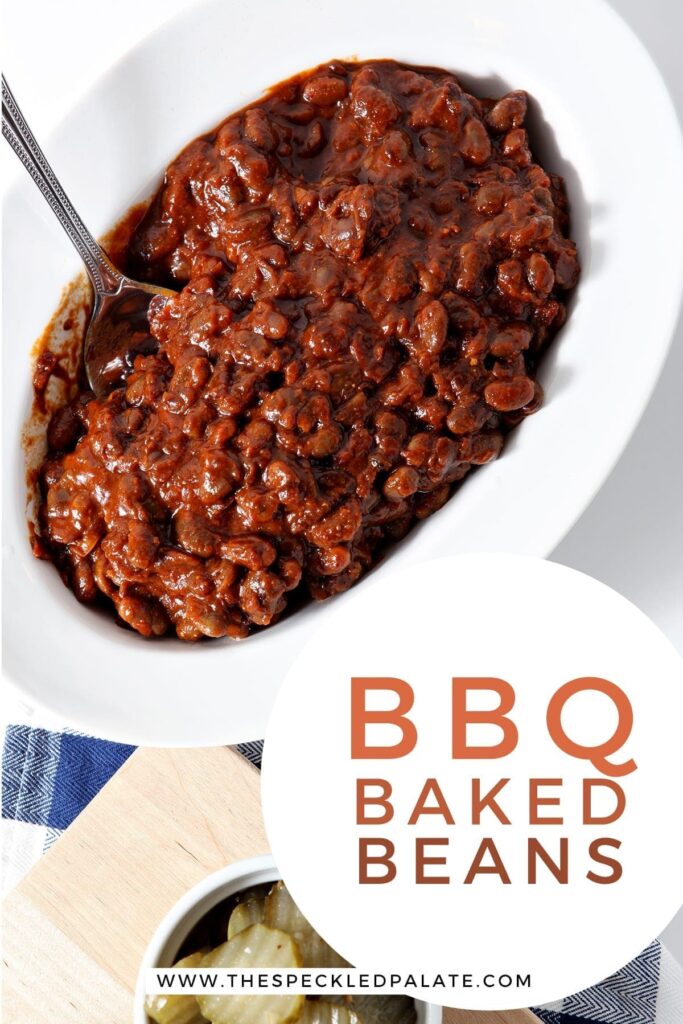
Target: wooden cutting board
[77, 926]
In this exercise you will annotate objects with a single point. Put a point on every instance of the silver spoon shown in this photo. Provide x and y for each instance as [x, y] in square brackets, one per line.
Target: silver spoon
[118, 328]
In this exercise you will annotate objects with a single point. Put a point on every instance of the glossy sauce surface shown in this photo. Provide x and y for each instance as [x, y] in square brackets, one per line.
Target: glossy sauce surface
[370, 264]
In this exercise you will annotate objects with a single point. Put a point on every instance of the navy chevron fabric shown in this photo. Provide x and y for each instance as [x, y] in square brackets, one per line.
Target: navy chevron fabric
[49, 777]
[627, 997]
[252, 751]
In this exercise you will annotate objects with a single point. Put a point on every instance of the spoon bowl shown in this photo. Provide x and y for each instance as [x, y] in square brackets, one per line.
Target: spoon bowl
[118, 331]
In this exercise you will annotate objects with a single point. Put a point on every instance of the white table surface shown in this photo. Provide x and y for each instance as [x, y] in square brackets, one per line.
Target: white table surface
[631, 537]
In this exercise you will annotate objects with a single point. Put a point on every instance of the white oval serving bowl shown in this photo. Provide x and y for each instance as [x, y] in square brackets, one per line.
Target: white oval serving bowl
[611, 119]
[195, 904]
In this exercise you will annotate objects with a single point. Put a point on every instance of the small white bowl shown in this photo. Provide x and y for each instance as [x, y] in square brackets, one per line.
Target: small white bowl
[195, 904]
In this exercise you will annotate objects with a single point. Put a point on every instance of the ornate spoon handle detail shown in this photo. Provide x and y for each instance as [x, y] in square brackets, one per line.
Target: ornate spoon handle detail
[106, 280]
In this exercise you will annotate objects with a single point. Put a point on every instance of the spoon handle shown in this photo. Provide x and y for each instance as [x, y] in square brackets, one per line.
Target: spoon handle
[103, 275]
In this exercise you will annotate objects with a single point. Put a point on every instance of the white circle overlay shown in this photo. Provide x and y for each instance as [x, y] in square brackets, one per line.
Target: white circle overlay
[537, 625]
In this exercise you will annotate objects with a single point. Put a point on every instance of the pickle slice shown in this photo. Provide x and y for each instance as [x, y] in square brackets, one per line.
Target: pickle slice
[256, 946]
[320, 1011]
[385, 1009]
[248, 911]
[177, 1009]
[282, 912]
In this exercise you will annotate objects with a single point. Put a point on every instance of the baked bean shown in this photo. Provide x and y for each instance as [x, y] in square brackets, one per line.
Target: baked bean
[491, 197]
[375, 109]
[83, 581]
[540, 274]
[509, 395]
[509, 112]
[478, 449]
[325, 90]
[516, 148]
[259, 130]
[341, 526]
[262, 596]
[475, 144]
[331, 561]
[402, 483]
[192, 534]
[143, 543]
[466, 418]
[143, 616]
[432, 325]
[64, 429]
[252, 552]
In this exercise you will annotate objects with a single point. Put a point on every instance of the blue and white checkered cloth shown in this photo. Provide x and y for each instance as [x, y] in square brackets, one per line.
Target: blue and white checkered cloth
[49, 777]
